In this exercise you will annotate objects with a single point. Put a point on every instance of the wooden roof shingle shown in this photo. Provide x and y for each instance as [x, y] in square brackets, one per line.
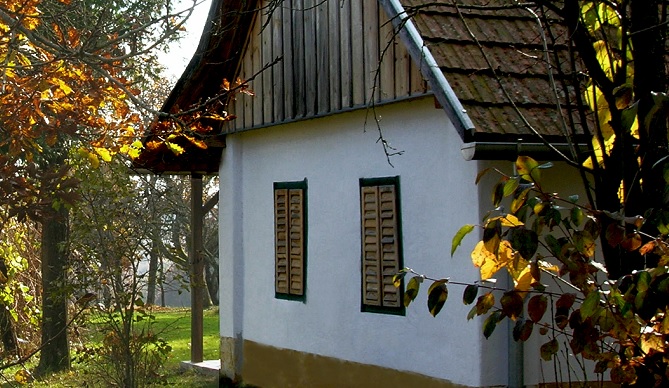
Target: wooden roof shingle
[492, 54]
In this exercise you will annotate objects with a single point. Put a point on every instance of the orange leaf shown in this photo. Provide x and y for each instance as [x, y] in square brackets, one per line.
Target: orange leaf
[647, 247]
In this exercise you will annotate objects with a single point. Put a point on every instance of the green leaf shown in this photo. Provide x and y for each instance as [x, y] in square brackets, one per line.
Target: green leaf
[412, 290]
[472, 313]
[437, 295]
[457, 239]
[643, 281]
[661, 222]
[490, 324]
[584, 243]
[590, 305]
[510, 186]
[520, 197]
[554, 245]
[525, 241]
[628, 116]
[549, 349]
[470, 293]
[484, 303]
[577, 216]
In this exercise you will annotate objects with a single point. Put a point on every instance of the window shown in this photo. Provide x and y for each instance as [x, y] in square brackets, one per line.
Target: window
[381, 245]
[290, 220]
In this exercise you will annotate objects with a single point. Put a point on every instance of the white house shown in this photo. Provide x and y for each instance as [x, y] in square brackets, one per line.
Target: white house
[317, 214]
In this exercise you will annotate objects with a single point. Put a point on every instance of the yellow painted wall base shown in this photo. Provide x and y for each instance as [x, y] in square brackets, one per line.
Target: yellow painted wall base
[266, 366]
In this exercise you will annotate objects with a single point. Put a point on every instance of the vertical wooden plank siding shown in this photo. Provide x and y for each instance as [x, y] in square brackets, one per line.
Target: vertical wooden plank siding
[402, 69]
[277, 70]
[345, 80]
[288, 87]
[358, 65]
[386, 83]
[332, 61]
[299, 72]
[333, 57]
[266, 58]
[322, 58]
[256, 65]
[370, 38]
[310, 53]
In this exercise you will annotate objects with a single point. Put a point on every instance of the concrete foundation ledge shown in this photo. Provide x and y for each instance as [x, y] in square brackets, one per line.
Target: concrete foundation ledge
[207, 367]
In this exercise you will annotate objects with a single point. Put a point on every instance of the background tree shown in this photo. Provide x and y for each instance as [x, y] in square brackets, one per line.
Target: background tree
[71, 71]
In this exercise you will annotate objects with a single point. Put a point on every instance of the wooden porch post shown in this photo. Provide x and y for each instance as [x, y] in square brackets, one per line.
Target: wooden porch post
[197, 270]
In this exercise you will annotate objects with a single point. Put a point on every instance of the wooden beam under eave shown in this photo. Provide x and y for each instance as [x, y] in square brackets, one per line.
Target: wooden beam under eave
[196, 271]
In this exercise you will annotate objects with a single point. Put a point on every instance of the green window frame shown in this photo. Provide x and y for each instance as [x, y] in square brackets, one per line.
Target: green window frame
[290, 240]
[381, 245]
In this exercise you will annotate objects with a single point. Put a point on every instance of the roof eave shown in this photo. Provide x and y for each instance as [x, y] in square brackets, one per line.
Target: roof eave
[221, 45]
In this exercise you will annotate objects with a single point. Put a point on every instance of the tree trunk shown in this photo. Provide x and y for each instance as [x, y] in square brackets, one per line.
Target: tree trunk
[153, 274]
[211, 277]
[6, 328]
[55, 354]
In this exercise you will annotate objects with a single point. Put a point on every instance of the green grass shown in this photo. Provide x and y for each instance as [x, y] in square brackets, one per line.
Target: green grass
[174, 326]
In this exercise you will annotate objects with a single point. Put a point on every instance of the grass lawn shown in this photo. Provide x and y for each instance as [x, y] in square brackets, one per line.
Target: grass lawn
[174, 326]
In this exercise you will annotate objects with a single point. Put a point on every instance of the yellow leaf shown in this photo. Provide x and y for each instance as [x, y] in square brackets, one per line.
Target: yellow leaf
[522, 279]
[63, 86]
[175, 148]
[488, 262]
[508, 220]
[549, 267]
[93, 159]
[132, 150]
[22, 376]
[104, 154]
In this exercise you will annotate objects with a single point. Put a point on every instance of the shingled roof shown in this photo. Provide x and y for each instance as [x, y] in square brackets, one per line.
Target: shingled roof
[491, 53]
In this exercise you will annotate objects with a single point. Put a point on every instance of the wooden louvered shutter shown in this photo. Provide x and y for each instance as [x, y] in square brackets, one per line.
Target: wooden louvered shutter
[380, 246]
[281, 248]
[289, 244]
[296, 239]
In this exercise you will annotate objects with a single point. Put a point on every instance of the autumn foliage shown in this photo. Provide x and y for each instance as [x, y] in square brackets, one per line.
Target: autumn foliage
[547, 244]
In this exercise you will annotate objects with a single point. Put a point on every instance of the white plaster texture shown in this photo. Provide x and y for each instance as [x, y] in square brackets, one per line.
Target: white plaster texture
[438, 196]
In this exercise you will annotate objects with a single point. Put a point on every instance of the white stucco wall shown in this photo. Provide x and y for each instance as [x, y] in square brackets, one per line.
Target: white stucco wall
[438, 196]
